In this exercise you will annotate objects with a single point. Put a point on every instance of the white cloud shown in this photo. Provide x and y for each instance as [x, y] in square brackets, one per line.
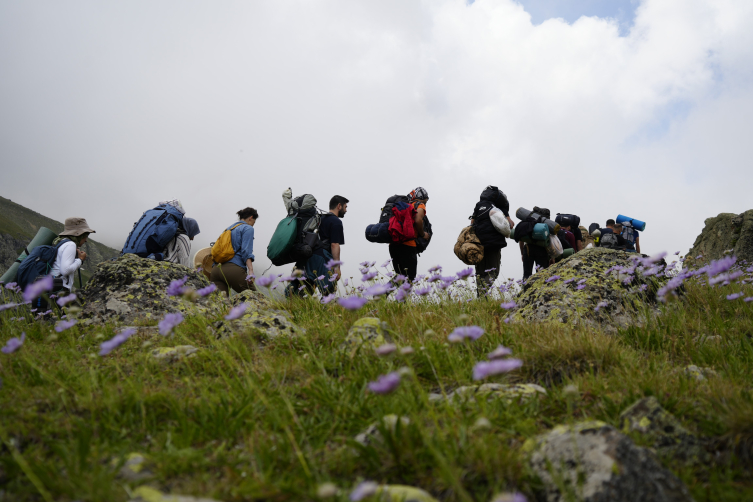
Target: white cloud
[112, 107]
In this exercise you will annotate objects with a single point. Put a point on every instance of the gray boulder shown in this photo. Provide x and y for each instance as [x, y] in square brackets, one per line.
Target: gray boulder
[668, 436]
[593, 462]
[623, 296]
[726, 231]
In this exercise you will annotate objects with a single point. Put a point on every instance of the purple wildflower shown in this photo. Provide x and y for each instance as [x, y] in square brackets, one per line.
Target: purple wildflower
[385, 383]
[327, 299]
[553, 278]
[748, 299]
[65, 300]
[63, 325]
[400, 278]
[435, 269]
[568, 281]
[177, 287]
[167, 324]
[207, 290]
[352, 302]
[508, 305]
[601, 305]
[320, 278]
[13, 286]
[385, 264]
[7, 306]
[671, 285]
[581, 286]
[369, 276]
[386, 349]
[422, 291]
[735, 296]
[333, 277]
[13, 344]
[643, 287]
[499, 352]
[363, 490]
[332, 264]
[435, 278]
[236, 312]
[401, 295]
[35, 289]
[472, 332]
[582, 281]
[465, 273]
[367, 264]
[510, 497]
[265, 281]
[485, 369]
[377, 290]
[116, 341]
[720, 266]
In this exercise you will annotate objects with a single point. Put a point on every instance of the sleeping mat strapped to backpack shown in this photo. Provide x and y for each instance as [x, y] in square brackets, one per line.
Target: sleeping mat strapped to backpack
[302, 210]
[154, 230]
[38, 263]
[379, 233]
[282, 241]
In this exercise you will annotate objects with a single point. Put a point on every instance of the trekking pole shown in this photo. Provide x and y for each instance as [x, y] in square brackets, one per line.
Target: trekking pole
[80, 285]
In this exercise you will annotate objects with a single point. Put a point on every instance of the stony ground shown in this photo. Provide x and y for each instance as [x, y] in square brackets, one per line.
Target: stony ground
[232, 410]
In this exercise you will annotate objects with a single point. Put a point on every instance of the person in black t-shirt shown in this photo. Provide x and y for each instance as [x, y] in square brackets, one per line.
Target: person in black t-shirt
[331, 229]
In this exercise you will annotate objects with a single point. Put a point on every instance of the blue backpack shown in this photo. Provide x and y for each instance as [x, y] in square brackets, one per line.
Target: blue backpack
[151, 234]
[38, 263]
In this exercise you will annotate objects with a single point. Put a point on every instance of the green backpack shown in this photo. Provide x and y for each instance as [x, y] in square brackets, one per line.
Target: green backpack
[282, 241]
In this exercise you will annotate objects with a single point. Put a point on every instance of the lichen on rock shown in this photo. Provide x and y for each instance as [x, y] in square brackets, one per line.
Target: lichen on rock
[272, 323]
[173, 354]
[669, 437]
[508, 392]
[726, 231]
[592, 461]
[623, 297]
[368, 332]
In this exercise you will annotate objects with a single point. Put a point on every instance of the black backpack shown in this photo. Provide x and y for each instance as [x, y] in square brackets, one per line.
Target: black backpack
[386, 214]
[496, 197]
[567, 220]
[421, 243]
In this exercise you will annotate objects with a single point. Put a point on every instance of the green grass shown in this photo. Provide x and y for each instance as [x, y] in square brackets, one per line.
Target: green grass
[256, 419]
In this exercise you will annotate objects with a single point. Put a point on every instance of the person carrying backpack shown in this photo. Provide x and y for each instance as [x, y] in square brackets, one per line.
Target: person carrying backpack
[610, 237]
[532, 254]
[233, 254]
[632, 238]
[178, 250]
[68, 258]
[405, 254]
[489, 209]
[331, 237]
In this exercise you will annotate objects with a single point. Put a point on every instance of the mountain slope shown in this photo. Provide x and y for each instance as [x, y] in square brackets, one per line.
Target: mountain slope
[18, 225]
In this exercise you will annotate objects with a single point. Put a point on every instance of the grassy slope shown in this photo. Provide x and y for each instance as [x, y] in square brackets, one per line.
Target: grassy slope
[23, 224]
[252, 419]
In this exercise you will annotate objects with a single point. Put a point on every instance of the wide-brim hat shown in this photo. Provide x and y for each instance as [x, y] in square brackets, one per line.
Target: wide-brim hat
[203, 259]
[76, 227]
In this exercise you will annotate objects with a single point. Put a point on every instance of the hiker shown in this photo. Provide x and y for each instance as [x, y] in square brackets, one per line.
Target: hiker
[237, 273]
[531, 253]
[571, 222]
[491, 206]
[179, 248]
[610, 236]
[405, 255]
[331, 237]
[567, 238]
[632, 238]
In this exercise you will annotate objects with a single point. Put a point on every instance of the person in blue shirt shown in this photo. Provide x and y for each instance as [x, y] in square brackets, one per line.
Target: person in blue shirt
[237, 273]
[632, 238]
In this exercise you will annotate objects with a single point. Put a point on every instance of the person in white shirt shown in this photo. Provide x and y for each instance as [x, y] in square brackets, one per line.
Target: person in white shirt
[178, 250]
[70, 256]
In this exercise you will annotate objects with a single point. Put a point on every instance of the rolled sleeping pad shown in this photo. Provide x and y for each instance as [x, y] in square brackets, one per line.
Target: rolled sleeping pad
[522, 214]
[379, 233]
[565, 254]
[637, 224]
[44, 237]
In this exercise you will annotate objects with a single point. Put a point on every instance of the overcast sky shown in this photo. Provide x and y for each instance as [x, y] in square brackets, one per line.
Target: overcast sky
[584, 106]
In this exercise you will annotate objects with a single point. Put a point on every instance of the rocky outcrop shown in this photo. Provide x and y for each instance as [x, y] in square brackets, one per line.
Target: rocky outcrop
[597, 287]
[133, 290]
[668, 437]
[723, 233]
[367, 332]
[593, 462]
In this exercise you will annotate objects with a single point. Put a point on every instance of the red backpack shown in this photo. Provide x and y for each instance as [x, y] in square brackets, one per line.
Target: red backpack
[401, 223]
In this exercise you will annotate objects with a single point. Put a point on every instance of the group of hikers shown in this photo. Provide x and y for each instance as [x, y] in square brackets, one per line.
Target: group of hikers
[311, 240]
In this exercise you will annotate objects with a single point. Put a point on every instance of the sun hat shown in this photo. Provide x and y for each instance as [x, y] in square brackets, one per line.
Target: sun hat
[76, 227]
[203, 259]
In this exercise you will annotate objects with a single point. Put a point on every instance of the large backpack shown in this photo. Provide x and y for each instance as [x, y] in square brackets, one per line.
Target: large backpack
[154, 230]
[567, 220]
[386, 214]
[307, 219]
[628, 233]
[421, 243]
[609, 240]
[39, 262]
[496, 197]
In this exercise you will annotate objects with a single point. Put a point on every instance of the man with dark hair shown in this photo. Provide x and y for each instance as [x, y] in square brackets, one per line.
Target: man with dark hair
[610, 236]
[331, 231]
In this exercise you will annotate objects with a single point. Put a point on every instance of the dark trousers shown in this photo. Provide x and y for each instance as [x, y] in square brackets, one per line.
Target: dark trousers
[404, 260]
[532, 255]
[230, 276]
[487, 270]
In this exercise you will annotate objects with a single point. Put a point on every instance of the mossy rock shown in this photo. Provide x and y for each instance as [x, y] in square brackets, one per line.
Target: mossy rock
[368, 332]
[724, 232]
[271, 323]
[168, 355]
[136, 468]
[669, 437]
[508, 392]
[563, 303]
[592, 461]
